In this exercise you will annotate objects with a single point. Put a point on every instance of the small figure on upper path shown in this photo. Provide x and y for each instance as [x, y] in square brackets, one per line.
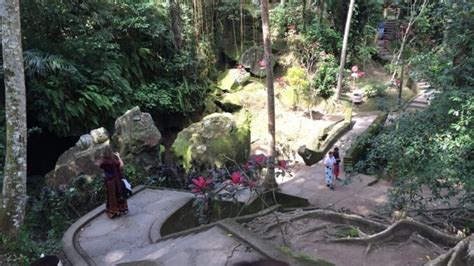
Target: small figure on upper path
[329, 166]
[336, 165]
[112, 165]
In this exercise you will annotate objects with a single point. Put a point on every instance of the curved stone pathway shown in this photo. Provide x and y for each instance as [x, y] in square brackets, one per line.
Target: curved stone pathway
[134, 239]
[103, 241]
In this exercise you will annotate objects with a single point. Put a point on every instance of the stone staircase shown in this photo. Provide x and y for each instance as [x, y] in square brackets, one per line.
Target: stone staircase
[383, 51]
[391, 29]
[390, 33]
[422, 100]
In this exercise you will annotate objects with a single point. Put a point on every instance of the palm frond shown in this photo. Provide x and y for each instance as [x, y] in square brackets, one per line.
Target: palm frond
[39, 63]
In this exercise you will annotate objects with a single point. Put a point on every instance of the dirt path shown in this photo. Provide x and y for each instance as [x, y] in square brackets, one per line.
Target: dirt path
[336, 238]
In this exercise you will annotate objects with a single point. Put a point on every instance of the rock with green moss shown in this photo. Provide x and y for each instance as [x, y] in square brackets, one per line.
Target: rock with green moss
[138, 140]
[219, 139]
[233, 79]
[250, 97]
[253, 60]
[210, 106]
[289, 97]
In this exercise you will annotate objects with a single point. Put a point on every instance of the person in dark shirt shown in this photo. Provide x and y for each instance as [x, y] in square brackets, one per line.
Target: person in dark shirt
[112, 165]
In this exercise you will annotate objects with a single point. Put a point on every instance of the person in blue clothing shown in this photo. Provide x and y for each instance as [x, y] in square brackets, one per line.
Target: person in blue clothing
[381, 29]
[329, 170]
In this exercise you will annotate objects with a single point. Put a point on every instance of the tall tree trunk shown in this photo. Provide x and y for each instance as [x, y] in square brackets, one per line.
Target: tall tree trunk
[344, 50]
[242, 27]
[321, 11]
[413, 18]
[176, 23]
[14, 196]
[270, 181]
[304, 15]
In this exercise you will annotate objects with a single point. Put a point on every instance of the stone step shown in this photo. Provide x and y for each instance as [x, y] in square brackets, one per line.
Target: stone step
[423, 86]
[412, 110]
[386, 57]
[420, 101]
[417, 105]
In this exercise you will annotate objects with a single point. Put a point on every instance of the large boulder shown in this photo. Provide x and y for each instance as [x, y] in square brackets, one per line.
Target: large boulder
[232, 79]
[219, 139]
[250, 97]
[253, 60]
[138, 140]
[78, 159]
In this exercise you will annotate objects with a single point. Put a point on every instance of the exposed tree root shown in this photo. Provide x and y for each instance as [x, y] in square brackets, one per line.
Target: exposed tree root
[274, 225]
[373, 235]
[461, 254]
[314, 229]
[402, 230]
[342, 218]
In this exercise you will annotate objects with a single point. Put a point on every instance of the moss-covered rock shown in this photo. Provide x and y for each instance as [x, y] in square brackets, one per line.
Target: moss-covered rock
[249, 97]
[210, 106]
[217, 140]
[233, 79]
[289, 97]
[137, 139]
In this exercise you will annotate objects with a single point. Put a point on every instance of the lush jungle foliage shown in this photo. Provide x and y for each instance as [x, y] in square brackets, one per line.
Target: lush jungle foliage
[86, 62]
[435, 148]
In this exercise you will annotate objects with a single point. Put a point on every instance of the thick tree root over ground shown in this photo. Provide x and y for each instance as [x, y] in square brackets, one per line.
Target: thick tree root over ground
[333, 235]
[461, 254]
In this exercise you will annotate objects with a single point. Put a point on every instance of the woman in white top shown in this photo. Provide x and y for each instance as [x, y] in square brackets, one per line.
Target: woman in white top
[329, 164]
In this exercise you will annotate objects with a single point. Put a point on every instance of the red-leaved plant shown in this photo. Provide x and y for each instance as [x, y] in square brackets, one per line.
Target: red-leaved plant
[223, 184]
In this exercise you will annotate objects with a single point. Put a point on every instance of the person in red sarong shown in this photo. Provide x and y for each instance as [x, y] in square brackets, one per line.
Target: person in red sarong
[336, 167]
[112, 165]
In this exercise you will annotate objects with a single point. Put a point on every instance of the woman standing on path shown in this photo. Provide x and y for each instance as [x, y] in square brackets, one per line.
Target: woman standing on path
[329, 166]
[336, 164]
[112, 165]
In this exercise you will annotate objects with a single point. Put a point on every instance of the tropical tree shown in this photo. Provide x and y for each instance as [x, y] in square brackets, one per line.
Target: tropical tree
[270, 179]
[344, 50]
[13, 201]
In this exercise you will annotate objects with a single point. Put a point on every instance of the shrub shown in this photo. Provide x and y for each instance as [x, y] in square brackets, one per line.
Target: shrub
[227, 183]
[325, 78]
[373, 90]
